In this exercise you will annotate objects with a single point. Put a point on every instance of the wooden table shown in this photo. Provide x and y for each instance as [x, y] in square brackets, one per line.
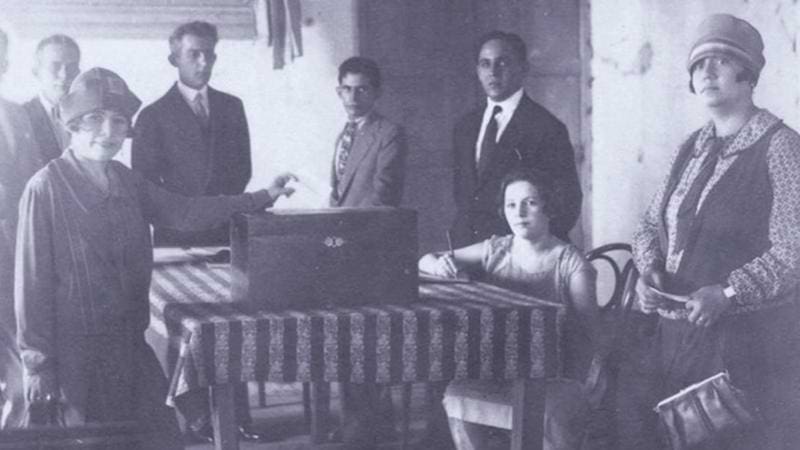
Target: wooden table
[451, 332]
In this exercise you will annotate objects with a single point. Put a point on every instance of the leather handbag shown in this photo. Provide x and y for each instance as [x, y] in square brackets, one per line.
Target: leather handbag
[705, 412]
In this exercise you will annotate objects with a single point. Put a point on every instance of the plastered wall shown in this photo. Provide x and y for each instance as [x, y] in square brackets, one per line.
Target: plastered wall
[641, 105]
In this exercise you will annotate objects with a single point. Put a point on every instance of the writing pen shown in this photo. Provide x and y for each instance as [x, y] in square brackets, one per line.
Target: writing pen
[450, 245]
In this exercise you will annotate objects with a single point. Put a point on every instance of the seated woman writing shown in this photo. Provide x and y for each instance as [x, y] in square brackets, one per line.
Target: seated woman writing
[532, 261]
[83, 267]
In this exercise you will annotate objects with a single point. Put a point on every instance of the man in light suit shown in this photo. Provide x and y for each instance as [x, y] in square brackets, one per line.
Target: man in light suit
[367, 170]
[195, 141]
[58, 60]
[369, 156]
[19, 160]
[507, 131]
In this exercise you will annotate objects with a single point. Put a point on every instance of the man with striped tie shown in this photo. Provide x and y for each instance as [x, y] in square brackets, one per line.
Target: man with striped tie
[367, 170]
[369, 156]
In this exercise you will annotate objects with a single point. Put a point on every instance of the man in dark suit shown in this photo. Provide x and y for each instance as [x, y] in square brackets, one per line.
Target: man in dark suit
[19, 160]
[509, 130]
[57, 64]
[367, 168]
[194, 140]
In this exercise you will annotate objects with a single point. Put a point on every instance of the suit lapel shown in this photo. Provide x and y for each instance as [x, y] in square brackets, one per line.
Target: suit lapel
[362, 144]
[45, 135]
[197, 141]
[469, 140]
[509, 140]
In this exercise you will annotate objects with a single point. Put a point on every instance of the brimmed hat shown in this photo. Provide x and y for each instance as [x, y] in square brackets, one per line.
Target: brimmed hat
[98, 88]
[728, 35]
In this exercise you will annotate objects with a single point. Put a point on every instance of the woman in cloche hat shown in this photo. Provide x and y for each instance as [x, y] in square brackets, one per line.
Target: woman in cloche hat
[723, 231]
[83, 268]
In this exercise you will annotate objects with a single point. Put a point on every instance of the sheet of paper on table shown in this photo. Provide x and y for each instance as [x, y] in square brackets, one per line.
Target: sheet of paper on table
[425, 277]
[173, 255]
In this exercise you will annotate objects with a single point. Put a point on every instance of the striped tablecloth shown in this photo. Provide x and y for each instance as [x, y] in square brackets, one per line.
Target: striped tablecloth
[452, 331]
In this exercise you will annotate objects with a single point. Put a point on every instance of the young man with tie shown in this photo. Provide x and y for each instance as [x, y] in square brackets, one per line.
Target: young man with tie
[57, 64]
[367, 170]
[195, 141]
[508, 131]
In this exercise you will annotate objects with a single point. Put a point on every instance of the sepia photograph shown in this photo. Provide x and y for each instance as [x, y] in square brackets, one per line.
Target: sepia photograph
[399, 225]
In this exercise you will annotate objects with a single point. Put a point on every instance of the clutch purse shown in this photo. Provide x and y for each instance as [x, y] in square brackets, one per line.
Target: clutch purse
[705, 412]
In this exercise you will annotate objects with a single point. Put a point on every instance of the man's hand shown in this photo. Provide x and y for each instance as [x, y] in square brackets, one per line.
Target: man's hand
[649, 300]
[706, 305]
[278, 186]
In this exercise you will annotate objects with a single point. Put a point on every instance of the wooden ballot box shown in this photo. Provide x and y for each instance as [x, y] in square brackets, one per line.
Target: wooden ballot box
[326, 257]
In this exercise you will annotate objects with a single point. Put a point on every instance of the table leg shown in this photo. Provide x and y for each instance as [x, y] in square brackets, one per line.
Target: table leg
[226, 436]
[320, 411]
[527, 423]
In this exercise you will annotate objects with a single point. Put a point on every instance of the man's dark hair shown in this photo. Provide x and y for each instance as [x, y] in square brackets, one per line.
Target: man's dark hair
[544, 184]
[197, 28]
[58, 39]
[512, 39]
[364, 66]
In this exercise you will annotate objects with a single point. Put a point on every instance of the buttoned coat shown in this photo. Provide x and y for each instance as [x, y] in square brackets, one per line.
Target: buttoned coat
[533, 138]
[45, 133]
[172, 148]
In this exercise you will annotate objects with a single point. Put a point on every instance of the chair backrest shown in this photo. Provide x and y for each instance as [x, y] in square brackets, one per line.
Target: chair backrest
[617, 256]
[117, 435]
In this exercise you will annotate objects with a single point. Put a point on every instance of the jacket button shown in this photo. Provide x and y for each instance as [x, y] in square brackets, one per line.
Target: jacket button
[475, 198]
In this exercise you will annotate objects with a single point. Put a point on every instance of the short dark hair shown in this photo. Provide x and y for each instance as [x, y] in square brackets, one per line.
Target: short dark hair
[543, 183]
[745, 75]
[512, 39]
[58, 39]
[361, 65]
[197, 28]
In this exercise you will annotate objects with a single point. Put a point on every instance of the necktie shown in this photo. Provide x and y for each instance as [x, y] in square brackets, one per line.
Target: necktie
[345, 144]
[200, 109]
[58, 129]
[489, 141]
[687, 212]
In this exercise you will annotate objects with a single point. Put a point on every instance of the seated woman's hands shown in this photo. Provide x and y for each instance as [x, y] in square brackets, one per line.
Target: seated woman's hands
[440, 265]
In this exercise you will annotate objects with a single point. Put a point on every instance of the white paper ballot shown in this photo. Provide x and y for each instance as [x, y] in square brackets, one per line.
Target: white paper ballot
[310, 192]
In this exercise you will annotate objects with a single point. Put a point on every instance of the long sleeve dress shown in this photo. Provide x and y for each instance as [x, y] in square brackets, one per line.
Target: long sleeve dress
[82, 280]
[745, 233]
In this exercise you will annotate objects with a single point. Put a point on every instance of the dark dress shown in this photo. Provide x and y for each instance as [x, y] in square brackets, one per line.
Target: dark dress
[83, 269]
[745, 234]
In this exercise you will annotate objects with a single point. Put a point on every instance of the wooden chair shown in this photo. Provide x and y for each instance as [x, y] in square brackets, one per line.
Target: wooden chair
[617, 256]
[614, 318]
[117, 435]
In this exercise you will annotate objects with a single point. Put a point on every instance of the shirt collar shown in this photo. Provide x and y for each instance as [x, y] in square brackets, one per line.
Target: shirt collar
[85, 192]
[508, 105]
[48, 105]
[751, 131]
[189, 93]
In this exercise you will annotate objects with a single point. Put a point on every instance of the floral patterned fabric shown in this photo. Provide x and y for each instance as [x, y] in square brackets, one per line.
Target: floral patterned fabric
[766, 279]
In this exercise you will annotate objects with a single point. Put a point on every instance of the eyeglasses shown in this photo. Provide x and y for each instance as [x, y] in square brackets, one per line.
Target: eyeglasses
[94, 121]
[358, 90]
